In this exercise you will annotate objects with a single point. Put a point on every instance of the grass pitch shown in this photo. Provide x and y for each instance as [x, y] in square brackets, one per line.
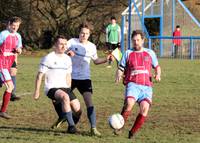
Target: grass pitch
[173, 118]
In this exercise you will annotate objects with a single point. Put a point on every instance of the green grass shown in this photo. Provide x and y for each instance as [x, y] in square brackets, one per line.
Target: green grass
[173, 118]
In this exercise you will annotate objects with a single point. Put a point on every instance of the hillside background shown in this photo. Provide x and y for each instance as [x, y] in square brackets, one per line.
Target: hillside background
[43, 20]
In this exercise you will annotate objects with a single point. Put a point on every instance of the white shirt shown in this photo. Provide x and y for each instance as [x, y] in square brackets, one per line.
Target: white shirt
[55, 69]
[81, 61]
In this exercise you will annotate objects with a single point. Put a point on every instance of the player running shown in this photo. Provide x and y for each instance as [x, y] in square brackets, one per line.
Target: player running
[57, 68]
[10, 43]
[136, 65]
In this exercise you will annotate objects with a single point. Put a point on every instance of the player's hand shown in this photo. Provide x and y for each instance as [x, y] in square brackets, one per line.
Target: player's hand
[70, 53]
[157, 78]
[18, 50]
[118, 76]
[110, 57]
[36, 95]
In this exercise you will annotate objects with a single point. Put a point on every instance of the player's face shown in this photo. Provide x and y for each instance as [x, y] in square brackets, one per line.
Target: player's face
[13, 27]
[113, 21]
[84, 35]
[61, 46]
[137, 42]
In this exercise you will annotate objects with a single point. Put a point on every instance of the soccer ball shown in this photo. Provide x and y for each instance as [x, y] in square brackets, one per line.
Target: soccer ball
[116, 121]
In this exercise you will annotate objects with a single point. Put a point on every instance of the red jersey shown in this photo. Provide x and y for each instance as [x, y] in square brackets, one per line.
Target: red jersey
[8, 43]
[138, 65]
[177, 33]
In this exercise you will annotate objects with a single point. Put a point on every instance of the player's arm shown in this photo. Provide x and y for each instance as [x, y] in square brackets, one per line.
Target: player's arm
[104, 60]
[2, 38]
[158, 73]
[156, 66]
[38, 82]
[69, 79]
[100, 61]
[119, 74]
[18, 49]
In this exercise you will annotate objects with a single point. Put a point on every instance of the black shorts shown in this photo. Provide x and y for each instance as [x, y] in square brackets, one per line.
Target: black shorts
[14, 65]
[82, 85]
[52, 91]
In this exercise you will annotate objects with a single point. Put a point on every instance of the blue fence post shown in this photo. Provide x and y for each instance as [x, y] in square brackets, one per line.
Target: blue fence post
[191, 49]
[161, 26]
[122, 33]
[149, 43]
[129, 21]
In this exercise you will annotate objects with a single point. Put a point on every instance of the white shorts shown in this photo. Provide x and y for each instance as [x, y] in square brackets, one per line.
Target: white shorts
[5, 75]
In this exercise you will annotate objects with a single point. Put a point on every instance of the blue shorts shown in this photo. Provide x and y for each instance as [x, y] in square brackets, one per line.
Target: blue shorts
[5, 75]
[139, 92]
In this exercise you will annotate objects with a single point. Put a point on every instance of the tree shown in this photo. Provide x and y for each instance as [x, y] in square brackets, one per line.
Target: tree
[44, 19]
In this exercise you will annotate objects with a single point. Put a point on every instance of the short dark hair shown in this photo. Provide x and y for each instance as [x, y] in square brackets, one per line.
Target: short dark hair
[112, 17]
[136, 32]
[15, 19]
[177, 26]
[86, 24]
[59, 37]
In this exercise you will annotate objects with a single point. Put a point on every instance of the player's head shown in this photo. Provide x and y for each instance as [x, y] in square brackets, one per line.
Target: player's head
[178, 27]
[113, 19]
[85, 30]
[60, 45]
[137, 39]
[14, 23]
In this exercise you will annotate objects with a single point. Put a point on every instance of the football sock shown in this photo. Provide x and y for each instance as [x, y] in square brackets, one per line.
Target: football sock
[58, 109]
[6, 99]
[125, 114]
[14, 83]
[91, 116]
[138, 123]
[70, 120]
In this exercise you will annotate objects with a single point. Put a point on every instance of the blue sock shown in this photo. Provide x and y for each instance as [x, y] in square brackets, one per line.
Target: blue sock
[70, 120]
[14, 83]
[91, 116]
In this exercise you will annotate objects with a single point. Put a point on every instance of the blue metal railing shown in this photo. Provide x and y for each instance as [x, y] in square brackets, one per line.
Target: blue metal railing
[189, 38]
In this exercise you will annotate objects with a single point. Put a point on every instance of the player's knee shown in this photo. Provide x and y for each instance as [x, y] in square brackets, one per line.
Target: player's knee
[9, 87]
[75, 104]
[144, 110]
[130, 103]
[65, 98]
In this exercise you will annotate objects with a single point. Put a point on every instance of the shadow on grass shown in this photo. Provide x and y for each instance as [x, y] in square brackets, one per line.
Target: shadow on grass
[55, 132]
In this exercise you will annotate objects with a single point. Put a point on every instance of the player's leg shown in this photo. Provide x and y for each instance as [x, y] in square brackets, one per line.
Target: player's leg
[85, 88]
[6, 78]
[140, 119]
[1, 83]
[74, 104]
[76, 112]
[131, 96]
[144, 100]
[126, 111]
[58, 109]
[58, 106]
[76, 108]
[176, 51]
[62, 96]
[13, 73]
[91, 114]
[110, 51]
